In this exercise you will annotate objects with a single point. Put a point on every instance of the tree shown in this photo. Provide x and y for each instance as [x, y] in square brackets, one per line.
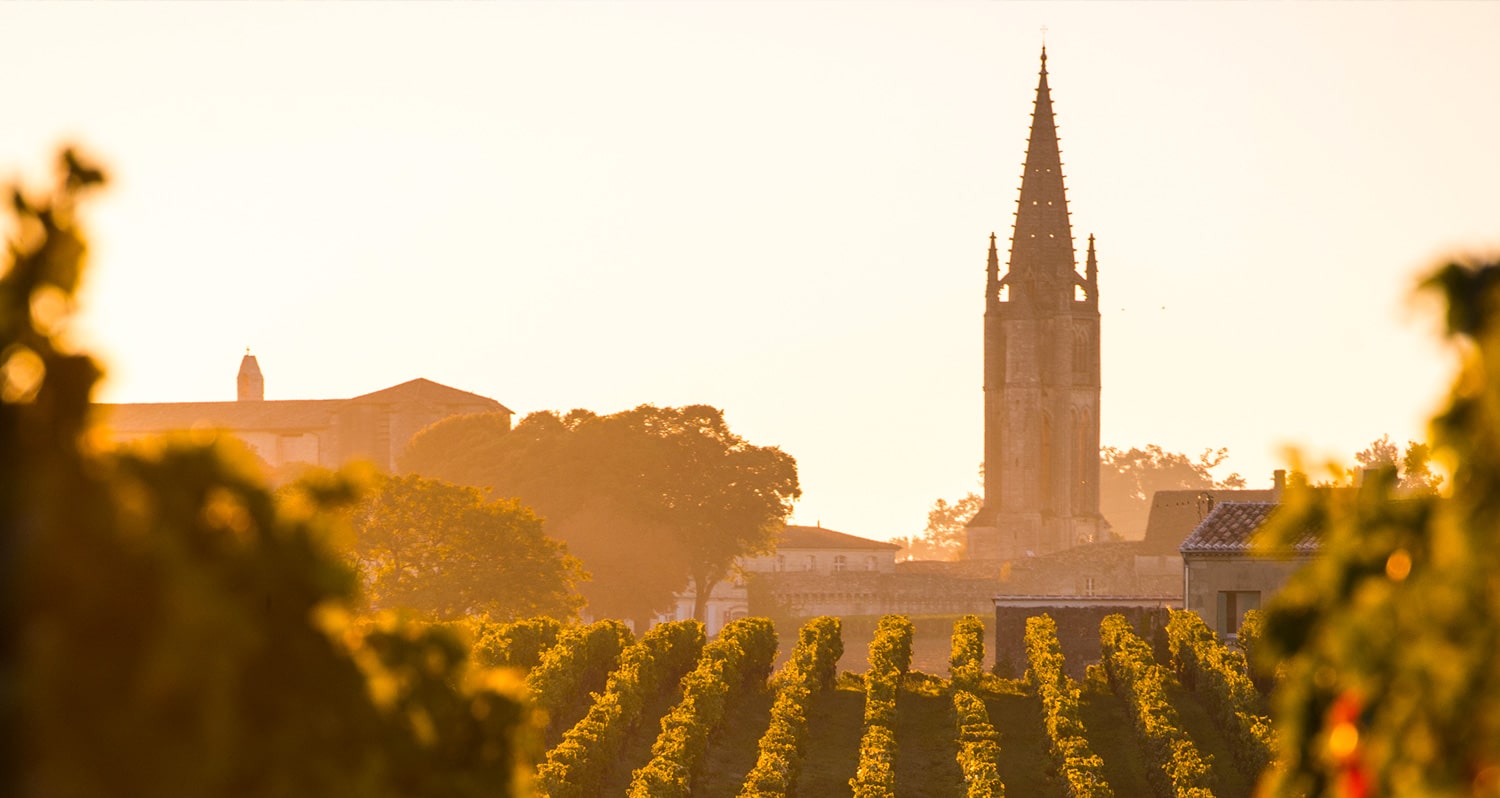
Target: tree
[457, 448]
[174, 630]
[1129, 477]
[649, 499]
[445, 551]
[1388, 644]
[943, 539]
[1413, 469]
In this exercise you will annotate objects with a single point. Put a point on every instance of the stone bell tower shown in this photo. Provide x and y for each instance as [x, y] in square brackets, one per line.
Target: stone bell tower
[1041, 371]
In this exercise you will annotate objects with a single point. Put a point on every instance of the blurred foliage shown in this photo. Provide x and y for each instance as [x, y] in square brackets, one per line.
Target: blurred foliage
[648, 498]
[447, 552]
[173, 629]
[1388, 644]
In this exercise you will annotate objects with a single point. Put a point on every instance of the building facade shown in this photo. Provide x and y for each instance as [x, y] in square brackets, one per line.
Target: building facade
[1226, 574]
[323, 432]
[813, 571]
[1041, 371]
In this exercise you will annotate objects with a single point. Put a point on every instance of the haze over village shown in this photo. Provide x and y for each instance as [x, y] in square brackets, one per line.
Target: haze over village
[511, 380]
[782, 212]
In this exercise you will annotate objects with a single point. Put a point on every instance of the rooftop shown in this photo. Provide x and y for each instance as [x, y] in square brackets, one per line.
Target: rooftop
[816, 537]
[1231, 526]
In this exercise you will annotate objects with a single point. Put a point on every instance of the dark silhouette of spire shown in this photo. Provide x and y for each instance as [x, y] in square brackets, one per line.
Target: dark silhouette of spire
[1041, 269]
[992, 271]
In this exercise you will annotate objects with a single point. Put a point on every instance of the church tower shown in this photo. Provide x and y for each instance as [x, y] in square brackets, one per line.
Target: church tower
[1041, 371]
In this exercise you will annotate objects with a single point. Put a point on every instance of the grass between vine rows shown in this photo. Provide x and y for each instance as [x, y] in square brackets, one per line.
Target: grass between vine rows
[637, 749]
[835, 722]
[1107, 724]
[1228, 780]
[733, 749]
[926, 740]
[1024, 762]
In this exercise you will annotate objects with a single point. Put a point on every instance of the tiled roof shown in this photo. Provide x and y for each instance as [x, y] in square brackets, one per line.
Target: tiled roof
[1174, 514]
[816, 537]
[423, 390]
[1231, 526]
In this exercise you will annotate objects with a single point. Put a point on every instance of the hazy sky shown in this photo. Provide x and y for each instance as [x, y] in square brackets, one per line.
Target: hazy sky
[781, 209]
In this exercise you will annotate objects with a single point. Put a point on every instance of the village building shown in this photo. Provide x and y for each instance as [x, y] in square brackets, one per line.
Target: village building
[812, 571]
[323, 432]
[1227, 572]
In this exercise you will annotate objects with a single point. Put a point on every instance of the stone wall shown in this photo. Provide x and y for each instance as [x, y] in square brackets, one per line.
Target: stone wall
[1077, 629]
[793, 594]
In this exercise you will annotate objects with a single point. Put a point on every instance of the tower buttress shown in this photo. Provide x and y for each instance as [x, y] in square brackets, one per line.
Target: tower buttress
[1091, 272]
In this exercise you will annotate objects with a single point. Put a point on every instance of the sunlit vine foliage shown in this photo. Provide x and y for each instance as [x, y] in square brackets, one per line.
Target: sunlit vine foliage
[173, 628]
[1388, 644]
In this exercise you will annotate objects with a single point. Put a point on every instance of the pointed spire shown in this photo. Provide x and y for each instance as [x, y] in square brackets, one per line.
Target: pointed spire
[992, 272]
[1091, 265]
[1041, 250]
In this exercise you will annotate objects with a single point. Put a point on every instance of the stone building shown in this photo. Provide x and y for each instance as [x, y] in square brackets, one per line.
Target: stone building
[813, 571]
[324, 432]
[1225, 574]
[1041, 371]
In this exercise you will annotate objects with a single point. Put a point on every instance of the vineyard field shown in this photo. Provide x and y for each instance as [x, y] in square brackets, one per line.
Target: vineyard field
[842, 728]
[1107, 720]
[732, 753]
[835, 721]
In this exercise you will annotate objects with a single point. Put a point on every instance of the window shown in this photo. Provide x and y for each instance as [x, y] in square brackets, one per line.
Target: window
[1088, 586]
[1233, 604]
[838, 563]
[812, 563]
[781, 562]
[870, 563]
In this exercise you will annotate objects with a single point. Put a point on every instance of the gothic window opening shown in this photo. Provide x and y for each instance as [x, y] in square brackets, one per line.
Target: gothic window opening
[1083, 355]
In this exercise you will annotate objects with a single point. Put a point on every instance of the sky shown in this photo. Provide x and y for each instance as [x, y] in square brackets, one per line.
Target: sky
[779, 209]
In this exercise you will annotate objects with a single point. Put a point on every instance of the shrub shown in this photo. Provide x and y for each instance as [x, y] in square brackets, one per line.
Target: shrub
[1180, 771]
[1081, 770]
[741, 654]
[176, 629]
[810, 669]
[576, 767]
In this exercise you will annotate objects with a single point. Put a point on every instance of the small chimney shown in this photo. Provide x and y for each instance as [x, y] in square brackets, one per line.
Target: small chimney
[252, 388]
[1278, 483]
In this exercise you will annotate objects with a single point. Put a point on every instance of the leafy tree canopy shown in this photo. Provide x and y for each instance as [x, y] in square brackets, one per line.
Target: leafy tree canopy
[445, 551]
[1129, 477]
[943, 539]
[458, 448]
[648, 498]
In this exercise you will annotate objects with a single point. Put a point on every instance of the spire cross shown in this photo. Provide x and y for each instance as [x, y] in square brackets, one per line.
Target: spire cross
[1044, 35]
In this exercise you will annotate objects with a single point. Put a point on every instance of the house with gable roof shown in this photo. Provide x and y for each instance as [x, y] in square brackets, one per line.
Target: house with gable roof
[1225, 573]
[324, 432]
[812, 571]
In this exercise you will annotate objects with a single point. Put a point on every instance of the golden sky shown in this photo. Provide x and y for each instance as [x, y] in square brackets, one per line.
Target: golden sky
[781, 209]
